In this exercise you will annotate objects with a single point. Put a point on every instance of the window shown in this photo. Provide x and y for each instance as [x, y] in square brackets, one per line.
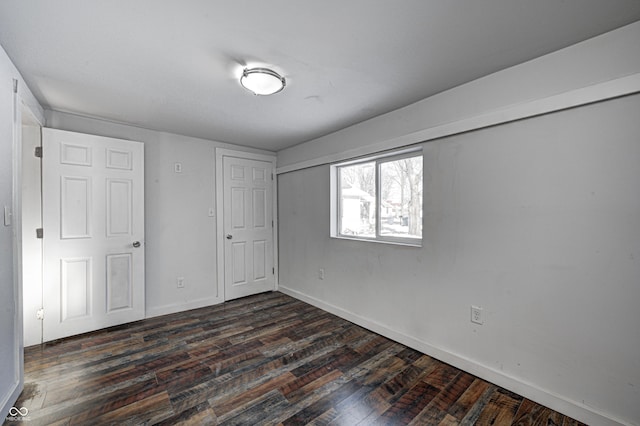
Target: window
[379, 198]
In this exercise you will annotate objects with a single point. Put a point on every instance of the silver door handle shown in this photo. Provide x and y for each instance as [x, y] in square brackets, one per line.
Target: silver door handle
[229, 236]
[136, 244]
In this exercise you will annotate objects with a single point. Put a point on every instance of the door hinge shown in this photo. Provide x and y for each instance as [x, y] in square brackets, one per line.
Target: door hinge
[38, 152]
[273, 271]
[39, 233]
[15, 86]
[271, 175]
[40, 314]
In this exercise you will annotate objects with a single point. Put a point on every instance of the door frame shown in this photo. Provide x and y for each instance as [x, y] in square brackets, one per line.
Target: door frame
[21, 110]
[32, 260]
[14, 216]
[220, 154]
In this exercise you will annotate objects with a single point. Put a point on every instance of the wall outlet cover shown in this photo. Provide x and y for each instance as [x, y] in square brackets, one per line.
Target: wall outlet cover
[476, 315]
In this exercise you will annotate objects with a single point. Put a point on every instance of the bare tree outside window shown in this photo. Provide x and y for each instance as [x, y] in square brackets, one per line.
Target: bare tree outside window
[401, 181]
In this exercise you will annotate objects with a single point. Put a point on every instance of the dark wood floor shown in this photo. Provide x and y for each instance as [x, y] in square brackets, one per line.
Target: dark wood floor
[265, 359]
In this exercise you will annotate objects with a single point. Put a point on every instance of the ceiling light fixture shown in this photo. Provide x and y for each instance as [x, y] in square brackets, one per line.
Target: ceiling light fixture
[262, 81]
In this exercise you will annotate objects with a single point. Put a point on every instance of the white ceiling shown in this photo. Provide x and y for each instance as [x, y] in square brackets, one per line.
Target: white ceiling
[174, 65]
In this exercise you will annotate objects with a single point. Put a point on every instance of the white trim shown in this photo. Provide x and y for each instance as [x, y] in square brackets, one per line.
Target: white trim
[16, 224]
[274, 187]
[574, 98]
[174, 308]
[552, 400]
[397, 242]
[224, 152]
[395, 153]
[16, 234]
[219, 173]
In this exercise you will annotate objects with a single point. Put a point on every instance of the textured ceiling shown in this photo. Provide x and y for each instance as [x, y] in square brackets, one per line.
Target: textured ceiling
[174, 65]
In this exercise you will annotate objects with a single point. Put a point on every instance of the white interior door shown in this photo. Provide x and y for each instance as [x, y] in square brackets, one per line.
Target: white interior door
[248, 227]
[93, 219]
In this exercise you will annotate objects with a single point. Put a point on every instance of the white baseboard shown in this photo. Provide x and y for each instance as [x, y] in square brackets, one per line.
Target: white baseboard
[549, 399]
[173, 308]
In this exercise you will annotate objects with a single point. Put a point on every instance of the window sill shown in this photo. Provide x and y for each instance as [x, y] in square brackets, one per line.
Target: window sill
[404, 243]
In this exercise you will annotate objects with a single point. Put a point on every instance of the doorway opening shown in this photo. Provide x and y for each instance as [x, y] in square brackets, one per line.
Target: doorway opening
[31, 218]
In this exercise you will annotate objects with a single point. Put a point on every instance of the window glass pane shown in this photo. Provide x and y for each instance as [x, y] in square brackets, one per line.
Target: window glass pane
[358, 200]
[401, 198]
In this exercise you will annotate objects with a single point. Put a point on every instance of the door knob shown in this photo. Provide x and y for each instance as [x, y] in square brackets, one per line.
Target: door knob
[229, 236]
[136, 244]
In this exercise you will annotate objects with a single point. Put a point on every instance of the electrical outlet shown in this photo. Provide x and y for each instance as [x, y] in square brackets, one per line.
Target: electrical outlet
[476, 315]
[177, 167]
[180, 282]
[321, 273]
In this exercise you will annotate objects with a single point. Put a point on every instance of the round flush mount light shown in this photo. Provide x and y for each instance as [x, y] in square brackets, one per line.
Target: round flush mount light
[262, 81]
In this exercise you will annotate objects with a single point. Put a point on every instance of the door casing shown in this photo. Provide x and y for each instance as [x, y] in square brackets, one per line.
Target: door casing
[220, 233]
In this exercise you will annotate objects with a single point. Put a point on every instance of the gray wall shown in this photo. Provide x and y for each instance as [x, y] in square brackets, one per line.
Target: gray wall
[537, 221]
[504, 228]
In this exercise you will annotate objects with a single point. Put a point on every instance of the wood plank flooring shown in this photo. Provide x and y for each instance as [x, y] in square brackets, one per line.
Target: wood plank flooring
[264, 359]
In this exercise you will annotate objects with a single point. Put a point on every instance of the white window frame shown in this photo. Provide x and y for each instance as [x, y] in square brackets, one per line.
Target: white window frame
[336, 197]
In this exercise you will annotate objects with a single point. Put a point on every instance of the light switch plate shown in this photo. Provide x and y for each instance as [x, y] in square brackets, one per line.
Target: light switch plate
[7, 216]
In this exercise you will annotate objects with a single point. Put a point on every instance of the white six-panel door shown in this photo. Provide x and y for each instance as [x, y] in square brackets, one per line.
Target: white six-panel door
[248, 227]
[93, 218]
